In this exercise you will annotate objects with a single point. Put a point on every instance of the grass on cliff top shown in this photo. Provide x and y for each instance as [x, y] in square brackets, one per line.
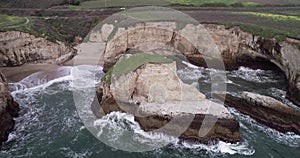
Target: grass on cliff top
[53, 29]
[132, 63]
[94, 4]
[261, 31]
[269, 25]
[277, 17]
[97, 4]
[217, 3]
[164, 15]
[8, 23]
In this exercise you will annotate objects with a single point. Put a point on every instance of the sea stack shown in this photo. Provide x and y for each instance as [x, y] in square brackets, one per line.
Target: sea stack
[8, 109]
[160, 101]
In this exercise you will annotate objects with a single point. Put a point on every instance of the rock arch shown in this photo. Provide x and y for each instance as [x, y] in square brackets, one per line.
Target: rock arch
[234, 47]
[202, 45]
[150, 36]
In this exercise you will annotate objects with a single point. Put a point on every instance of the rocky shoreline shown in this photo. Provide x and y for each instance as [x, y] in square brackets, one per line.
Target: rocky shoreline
[8, 109]
[237, 48]
[267, 111]
[159, 100]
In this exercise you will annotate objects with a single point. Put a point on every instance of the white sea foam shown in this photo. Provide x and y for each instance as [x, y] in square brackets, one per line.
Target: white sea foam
[45, 85]
[190, 65]
[221, 147]
[190, 74]
[117, 123]
[258, 76]
[291, 139]
[83, 75]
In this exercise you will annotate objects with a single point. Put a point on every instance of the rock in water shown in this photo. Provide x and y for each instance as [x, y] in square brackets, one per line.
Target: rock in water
[266, 110]
[8, 109]
[160, 101]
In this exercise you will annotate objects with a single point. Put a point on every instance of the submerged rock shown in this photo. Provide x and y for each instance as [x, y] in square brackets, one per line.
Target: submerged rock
[160, 101]
[8, 109]
[266, 110]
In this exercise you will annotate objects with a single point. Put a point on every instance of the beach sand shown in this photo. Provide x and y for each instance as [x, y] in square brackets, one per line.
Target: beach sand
[16, 74]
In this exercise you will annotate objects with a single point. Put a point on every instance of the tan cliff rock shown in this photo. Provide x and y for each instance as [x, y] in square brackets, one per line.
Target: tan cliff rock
[241, 48]
[8, 109]
[17, 48]
[200, 45]
[267, 111]
[159, 100]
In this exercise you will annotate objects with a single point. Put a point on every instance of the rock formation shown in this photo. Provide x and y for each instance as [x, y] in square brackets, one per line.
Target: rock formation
[8, 109]
[159, 100]
[266, 110]
[199, 44]
[241, 48]
[17, 48]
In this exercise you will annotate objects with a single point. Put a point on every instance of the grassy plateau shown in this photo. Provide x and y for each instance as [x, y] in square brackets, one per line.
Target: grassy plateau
[64, 19]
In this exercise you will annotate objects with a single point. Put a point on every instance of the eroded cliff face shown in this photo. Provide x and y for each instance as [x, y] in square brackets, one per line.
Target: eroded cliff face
[8, 109]
[198, 43]
[17, 48]
[159, 100]
[241, 48]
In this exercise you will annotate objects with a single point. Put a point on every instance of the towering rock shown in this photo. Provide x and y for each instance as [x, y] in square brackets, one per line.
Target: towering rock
[8, 109]
[160, 101]
[203, 45]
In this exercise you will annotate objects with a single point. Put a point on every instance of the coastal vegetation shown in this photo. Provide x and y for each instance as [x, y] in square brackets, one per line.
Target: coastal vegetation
[132, 63]
[64, 21]
[262, 119]
[17, 23]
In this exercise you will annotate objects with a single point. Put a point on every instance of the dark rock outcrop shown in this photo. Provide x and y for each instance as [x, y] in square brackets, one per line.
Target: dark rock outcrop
[267, 111]
[8, 109]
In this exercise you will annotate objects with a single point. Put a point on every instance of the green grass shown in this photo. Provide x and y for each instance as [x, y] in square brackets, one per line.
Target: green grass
[201, 2]
[269, 25]
[277, 17]
[132, 63]
[122, 3]
[14, 23]
[74, 7]
[237, 3]
[7, 21]
[251, 4]
[292, 12]
[97, 4]
[129, 18]
[259, 30]
[167, 15]
[59, 29]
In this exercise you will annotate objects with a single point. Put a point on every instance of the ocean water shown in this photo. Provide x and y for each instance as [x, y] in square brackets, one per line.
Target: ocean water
[50, 124]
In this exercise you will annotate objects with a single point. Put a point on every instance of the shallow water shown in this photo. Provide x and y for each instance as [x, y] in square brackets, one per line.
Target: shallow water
[49, 124]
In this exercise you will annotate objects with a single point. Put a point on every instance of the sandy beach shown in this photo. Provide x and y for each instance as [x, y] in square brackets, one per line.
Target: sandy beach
[16, 74]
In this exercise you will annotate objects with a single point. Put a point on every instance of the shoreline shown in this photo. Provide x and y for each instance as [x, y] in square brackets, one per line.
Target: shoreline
[16, 74]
